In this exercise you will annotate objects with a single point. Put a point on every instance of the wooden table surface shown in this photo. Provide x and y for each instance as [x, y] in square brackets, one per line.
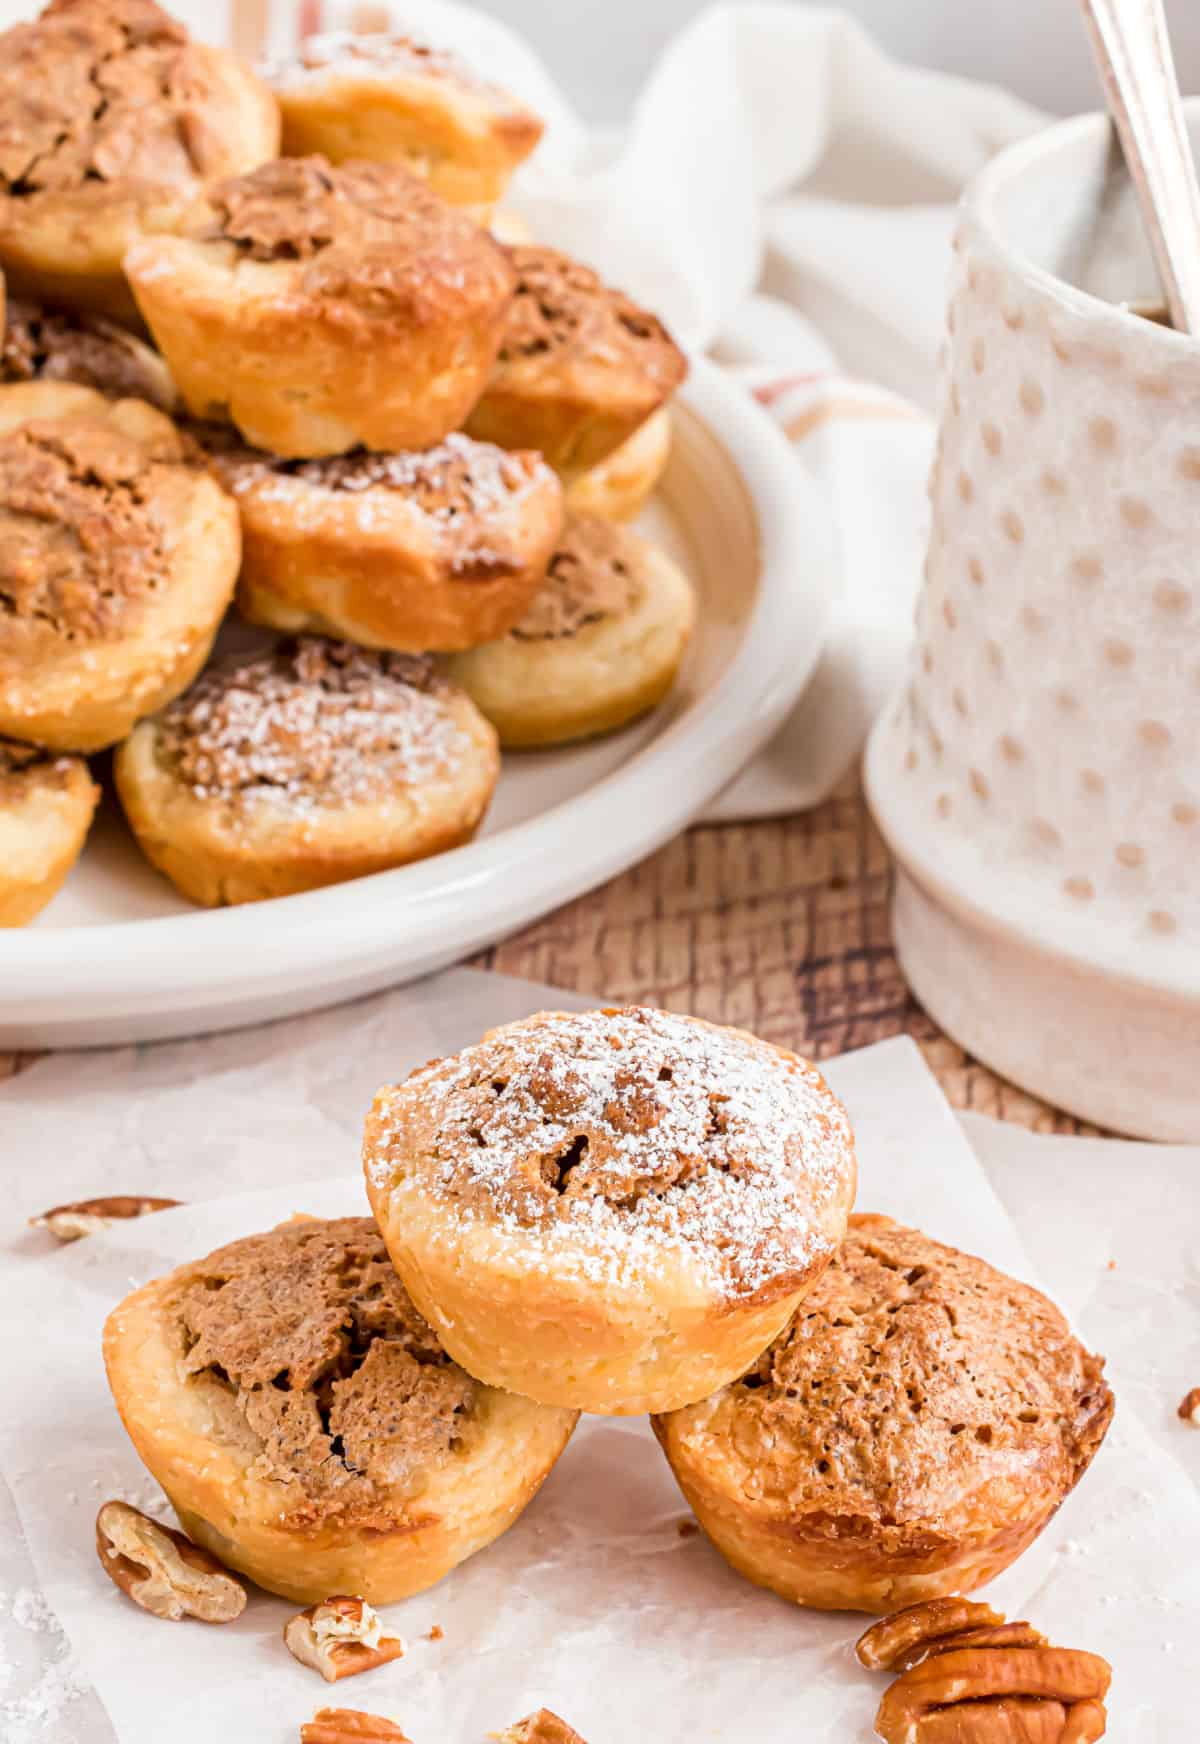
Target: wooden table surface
[781, 927]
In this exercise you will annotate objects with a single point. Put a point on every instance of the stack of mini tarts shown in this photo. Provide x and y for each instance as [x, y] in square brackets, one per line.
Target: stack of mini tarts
[338, 334]
[612, 1211]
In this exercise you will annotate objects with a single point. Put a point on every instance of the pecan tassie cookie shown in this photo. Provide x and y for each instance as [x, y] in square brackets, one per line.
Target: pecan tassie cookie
[581, 366]
[395, 99]
[600, 643]
[610, 1209]
[302, 767]
[117, 562]
[307, 1425]
[64, 345]
[908, 1435]
[323, 307]
[46, 806]
[437, 549]
[111, 121]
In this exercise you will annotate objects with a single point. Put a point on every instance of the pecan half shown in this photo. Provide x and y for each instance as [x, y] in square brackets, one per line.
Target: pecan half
[1189, 1407]
[162, 1571]
[339, 1638]
[543, 1727]
[87, 1216]
[891, 1641]
[350, 1726]
[998, 1695]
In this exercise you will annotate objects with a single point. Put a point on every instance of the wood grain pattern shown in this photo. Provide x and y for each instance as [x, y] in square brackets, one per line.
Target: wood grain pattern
[781, 927]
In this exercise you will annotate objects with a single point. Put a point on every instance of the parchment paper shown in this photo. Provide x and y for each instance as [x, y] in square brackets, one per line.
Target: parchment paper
[593, 1604]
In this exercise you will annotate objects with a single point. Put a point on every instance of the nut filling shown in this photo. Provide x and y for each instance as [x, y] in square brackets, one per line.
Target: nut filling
[21, 766]
[311, 724]
[54, 345]
[343, 1392]
[562, 306]
[908, 1375]
[100, 91]
[461, 486]
[80, 545]
[636, 1131]
[588, 579]
[296, 208]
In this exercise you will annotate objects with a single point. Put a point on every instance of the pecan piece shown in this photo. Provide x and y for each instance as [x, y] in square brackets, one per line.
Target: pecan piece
[162, 1571]
[350, 1726]
[886, 1644]
[1015, 1720]
[997, 1695]
[339, 1638]
[543, 1727]
[1189, 1408]
[86, 1216]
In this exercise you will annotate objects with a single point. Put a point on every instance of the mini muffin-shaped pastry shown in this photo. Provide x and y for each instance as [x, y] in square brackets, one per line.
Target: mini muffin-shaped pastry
[43, 344]
[908, 1435]
[320, 308]
[440, 548]
[308, 765]
[619, 487]
[600, 644]
[306, 1424]
[117, 562]
[394, 99]
[111, 120]
[46, 806]
[610, 1209]
[580, 367]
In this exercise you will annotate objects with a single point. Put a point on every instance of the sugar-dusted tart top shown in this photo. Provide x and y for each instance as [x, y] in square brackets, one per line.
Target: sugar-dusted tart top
[623, 1140]
[310, 724]
[26, 767]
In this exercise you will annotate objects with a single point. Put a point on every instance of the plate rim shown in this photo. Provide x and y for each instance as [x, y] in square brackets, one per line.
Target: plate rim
[121, 971]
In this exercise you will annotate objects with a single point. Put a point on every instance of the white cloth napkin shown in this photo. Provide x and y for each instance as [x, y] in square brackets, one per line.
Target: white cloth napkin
[592, 1603]
[782, 195]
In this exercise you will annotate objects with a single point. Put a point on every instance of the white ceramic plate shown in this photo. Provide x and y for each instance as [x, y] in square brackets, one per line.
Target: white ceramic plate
[119, 957]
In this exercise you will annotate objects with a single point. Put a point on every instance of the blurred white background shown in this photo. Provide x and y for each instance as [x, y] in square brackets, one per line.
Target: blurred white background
[601, 50]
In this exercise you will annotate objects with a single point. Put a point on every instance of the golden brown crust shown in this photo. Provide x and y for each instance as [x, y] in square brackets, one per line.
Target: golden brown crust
[621, 485]
[112, 120]
[42, 344]
[395, 99]
[311, 764]
[308, 1425]
[321, 307]
[600, 643]
[654, 1188]
[908, 1435]
[581, 365]
[117, 560]
[439, 549]
[46, 808]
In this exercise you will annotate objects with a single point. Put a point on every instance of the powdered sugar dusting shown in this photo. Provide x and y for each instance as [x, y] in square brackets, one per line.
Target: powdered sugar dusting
[312, 724]
[470, 494]
[456, 477]
[639, 1132]
[381, 53]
